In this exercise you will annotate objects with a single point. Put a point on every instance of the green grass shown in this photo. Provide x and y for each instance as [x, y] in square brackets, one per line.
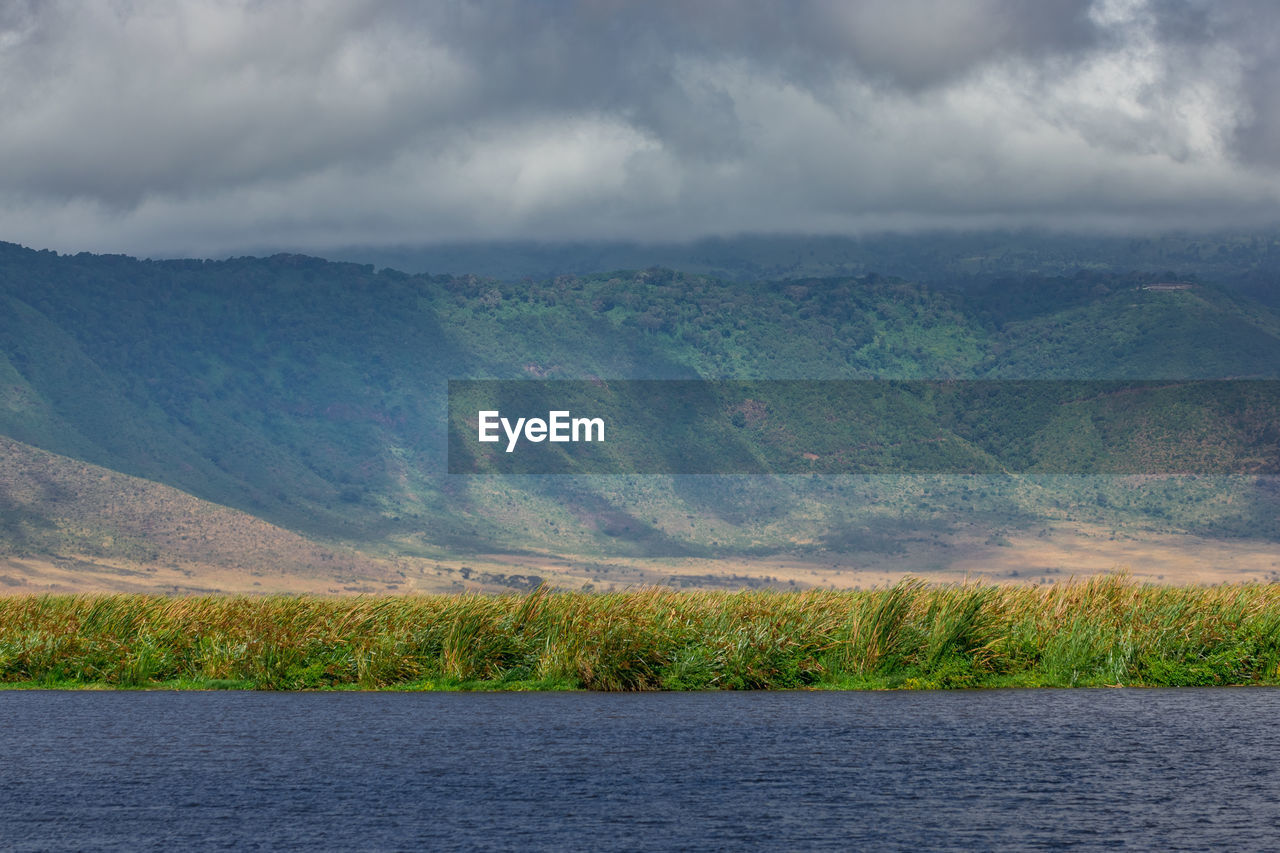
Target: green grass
[1105, 631]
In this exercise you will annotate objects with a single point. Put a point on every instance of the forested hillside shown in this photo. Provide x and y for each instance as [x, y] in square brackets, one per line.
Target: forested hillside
[311, 394]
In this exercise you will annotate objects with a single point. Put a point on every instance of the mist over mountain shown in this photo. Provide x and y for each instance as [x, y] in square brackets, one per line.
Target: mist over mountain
[940, 259]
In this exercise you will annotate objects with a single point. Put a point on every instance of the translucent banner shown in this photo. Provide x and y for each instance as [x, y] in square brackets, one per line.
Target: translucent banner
[864, 427]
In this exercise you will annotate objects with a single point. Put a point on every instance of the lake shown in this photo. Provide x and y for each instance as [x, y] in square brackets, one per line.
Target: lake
[963, 770]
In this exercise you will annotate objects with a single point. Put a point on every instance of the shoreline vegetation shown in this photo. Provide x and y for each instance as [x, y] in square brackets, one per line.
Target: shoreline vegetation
[1105, 631]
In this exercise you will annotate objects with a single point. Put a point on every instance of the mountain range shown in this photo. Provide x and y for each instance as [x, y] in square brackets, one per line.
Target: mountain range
[280, 424]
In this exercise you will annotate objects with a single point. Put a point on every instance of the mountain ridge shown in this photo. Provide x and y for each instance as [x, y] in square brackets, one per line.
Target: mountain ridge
[310, 394]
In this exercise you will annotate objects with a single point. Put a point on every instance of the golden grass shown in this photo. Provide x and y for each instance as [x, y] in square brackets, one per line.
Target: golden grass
[1105, 630]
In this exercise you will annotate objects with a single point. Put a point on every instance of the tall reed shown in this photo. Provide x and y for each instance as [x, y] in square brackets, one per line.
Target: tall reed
[1102, 631]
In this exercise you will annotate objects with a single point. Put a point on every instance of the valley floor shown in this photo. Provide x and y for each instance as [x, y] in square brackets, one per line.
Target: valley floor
[1052, 555]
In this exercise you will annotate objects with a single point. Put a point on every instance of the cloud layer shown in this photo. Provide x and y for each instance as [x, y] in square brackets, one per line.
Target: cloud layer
[215, 126]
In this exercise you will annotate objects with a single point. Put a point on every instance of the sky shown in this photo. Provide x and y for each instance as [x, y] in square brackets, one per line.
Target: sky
[215, 127]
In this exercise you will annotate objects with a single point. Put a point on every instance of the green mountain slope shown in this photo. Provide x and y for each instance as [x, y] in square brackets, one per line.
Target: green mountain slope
[312, 394]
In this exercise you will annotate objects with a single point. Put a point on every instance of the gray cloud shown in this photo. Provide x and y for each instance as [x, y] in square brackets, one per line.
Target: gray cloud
[210, 127]
[1246, 29]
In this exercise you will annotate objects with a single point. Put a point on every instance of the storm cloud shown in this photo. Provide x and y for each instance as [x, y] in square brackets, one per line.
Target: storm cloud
[207, 128]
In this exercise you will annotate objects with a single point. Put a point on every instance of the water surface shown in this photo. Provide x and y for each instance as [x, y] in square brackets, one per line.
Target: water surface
[1143, 769]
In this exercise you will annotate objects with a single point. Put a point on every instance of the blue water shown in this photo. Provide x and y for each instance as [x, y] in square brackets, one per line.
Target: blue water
[1141, 769]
